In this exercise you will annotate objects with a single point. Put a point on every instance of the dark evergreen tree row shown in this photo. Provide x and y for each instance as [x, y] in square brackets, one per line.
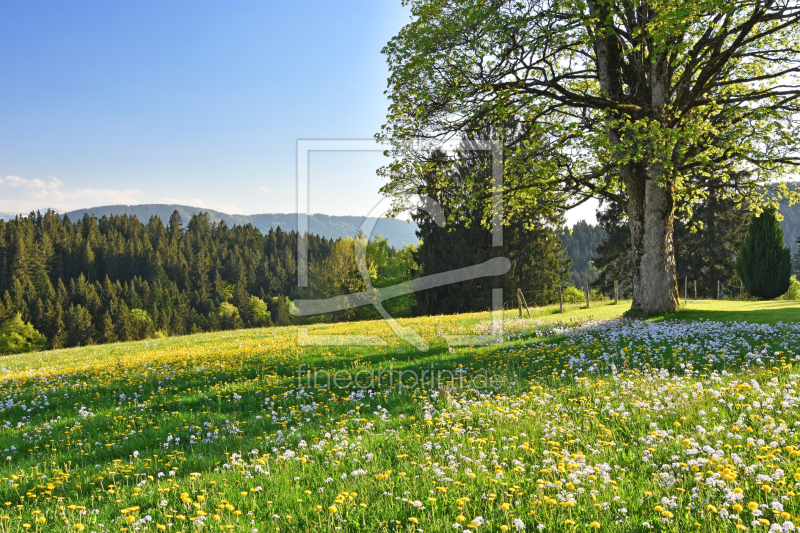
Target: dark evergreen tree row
[538, 262]
[117, 279]
[706, 246]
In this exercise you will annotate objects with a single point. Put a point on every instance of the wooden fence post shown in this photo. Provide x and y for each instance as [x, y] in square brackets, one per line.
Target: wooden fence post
[717, 289]
[685, 289]
[616, 292]
[523, 302]
[695, 289]
[587, 296]
[560, 301]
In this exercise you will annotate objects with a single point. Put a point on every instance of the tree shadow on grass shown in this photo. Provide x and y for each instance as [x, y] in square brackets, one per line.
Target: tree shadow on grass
[766, 312]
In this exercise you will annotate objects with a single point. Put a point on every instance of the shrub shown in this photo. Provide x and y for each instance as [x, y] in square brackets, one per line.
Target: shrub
[572, 295]
[229, 316]
[17, 336]
[259, 312]
[794, 290]
[141, 324]
[597, 296]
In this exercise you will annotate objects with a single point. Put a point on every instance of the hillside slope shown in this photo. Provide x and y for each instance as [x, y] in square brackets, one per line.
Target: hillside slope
[246, 431]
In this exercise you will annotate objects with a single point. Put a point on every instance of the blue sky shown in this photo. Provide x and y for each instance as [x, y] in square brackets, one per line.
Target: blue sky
[199, 103]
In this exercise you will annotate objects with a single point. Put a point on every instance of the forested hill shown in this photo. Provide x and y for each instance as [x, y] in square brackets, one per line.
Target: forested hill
[119, 278]
[580, 243]
[397, 232]
[791, 225]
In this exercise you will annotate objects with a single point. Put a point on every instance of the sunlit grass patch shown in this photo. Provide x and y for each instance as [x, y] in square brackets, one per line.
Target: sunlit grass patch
[568, 425]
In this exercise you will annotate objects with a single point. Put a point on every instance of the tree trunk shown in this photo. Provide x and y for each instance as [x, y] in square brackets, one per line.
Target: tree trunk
[635, 185]
[650, 218]
[659, 290]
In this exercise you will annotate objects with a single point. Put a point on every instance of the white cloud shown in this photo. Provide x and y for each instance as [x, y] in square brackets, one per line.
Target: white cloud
[264, 189]
[22, 195]
[36, 184]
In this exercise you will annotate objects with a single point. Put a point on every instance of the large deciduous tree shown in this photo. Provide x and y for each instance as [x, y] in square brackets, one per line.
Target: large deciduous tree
[612, 99]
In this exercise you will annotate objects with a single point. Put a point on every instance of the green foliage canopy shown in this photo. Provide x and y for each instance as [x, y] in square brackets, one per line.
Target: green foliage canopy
[600, 99]
[574, 77]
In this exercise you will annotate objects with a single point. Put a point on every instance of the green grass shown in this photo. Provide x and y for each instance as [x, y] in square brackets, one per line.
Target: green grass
[561, 426]
[760, 312]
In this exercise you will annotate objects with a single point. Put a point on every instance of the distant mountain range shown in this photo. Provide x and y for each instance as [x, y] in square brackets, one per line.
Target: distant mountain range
[397, 232]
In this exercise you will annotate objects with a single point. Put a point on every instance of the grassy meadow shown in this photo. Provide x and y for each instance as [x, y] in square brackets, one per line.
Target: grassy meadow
[575, 422]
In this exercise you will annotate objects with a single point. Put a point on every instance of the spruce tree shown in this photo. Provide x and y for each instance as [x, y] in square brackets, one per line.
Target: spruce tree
[80, 331]
[764, 264]
[109, 335]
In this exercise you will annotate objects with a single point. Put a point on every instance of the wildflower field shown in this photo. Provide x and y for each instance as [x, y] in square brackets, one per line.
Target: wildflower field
[676, 424]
